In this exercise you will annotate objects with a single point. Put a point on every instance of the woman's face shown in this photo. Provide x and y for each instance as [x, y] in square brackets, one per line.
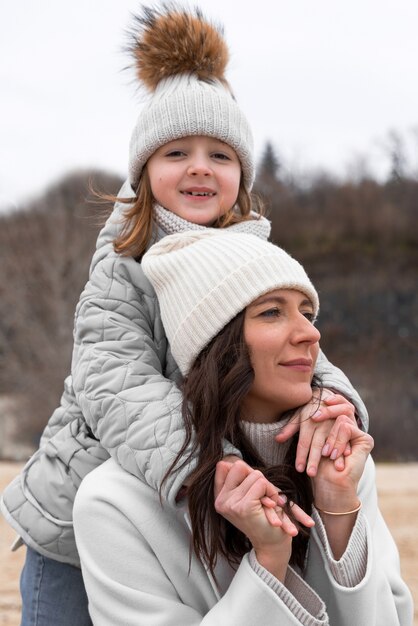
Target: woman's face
[283, 345]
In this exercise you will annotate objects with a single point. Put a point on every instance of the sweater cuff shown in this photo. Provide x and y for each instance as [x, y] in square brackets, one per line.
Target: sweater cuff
[301, 600]
[350, 570]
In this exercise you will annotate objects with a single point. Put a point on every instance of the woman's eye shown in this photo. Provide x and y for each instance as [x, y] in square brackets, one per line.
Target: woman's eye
[309, 316]
[270, 313]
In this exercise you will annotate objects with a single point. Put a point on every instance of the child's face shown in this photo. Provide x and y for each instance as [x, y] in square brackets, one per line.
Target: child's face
[197, 178]
[283, 346]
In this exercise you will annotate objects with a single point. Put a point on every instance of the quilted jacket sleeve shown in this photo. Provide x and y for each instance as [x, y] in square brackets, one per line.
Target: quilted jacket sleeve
[333, 378]
[119, 369]
[67, 411]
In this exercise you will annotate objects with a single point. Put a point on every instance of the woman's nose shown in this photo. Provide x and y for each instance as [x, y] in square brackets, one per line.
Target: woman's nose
[306, 331]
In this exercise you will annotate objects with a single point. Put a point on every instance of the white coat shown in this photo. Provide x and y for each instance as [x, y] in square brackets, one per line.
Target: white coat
[134, 555]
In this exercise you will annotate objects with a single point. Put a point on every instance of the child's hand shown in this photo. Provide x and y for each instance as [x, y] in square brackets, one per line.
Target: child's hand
[337, 490]
[322, 431]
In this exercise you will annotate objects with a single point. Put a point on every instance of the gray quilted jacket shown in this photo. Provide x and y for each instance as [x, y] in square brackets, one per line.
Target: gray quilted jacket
[120, 400]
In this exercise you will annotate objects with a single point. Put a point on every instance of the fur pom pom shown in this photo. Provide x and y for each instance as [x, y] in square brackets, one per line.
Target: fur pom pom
[172, 40]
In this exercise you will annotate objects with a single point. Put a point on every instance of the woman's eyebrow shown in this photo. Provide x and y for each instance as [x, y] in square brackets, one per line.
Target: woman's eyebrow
[268, 298]
[278, 300]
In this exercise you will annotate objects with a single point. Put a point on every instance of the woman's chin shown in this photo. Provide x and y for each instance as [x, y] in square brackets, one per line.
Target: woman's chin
[300, 399]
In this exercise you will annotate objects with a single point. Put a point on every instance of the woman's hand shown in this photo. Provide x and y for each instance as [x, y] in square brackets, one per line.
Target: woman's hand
[251, 503]
[322, 433]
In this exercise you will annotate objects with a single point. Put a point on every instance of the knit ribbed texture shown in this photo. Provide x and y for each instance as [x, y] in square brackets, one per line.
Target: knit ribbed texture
[302, 601]
[203, 279]
[184, 106]
[350, 569]
[262, 437]
[172, 223]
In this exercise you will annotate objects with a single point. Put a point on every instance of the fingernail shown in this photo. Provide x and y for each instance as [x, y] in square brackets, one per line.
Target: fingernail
[300, 467]
[339, 463]
[311, 470]
[317, 414]
[334, 454]
[325, 449]
[282, 498]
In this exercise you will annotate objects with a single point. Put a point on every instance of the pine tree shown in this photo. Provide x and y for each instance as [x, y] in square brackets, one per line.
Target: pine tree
[269, 164]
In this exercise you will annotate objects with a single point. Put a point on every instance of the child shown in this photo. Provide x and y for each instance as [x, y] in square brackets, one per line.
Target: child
[191, 166]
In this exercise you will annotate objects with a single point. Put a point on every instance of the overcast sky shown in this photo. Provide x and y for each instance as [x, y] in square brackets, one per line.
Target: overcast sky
[324, 80]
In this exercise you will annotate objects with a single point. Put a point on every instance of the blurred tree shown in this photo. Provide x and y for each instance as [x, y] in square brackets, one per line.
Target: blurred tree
[45, 253]
[397, 155]
[268, 184]
[269, 163]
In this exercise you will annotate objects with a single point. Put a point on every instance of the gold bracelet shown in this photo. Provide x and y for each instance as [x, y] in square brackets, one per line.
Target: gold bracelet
[343, 513]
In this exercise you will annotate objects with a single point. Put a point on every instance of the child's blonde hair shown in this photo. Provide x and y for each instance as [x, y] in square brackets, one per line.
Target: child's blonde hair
[137, 226]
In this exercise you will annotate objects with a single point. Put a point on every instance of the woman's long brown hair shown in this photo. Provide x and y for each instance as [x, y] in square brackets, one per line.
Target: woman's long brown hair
[213, 392]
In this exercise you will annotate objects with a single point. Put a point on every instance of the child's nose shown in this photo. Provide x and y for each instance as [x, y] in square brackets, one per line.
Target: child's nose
[199, 165]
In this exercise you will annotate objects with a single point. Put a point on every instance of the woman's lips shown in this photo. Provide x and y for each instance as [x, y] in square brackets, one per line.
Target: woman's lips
[300, 365]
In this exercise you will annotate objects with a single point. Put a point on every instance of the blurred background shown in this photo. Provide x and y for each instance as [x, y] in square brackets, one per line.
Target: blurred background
[330, 91]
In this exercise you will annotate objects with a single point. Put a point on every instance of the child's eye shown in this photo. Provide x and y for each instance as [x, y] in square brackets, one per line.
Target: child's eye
[221, 156]
[175, 153]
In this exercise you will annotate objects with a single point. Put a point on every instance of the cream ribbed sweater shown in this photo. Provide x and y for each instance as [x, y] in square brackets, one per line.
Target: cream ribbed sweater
[348, 572]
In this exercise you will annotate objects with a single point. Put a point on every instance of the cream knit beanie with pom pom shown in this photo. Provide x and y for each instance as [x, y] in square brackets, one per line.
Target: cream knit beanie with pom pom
[203, 279]
[181, 58]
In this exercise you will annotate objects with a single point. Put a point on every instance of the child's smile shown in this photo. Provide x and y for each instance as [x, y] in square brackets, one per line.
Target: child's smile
[197, 178]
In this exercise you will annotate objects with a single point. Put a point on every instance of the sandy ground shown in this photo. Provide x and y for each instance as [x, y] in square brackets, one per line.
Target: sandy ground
[398, 493]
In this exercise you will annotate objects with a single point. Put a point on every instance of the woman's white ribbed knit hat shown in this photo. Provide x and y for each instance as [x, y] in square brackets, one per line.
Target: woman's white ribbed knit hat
[203, 279]
[181, 59]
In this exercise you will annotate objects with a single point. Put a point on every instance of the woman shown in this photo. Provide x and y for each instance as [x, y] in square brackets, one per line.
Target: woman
[239, 314]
